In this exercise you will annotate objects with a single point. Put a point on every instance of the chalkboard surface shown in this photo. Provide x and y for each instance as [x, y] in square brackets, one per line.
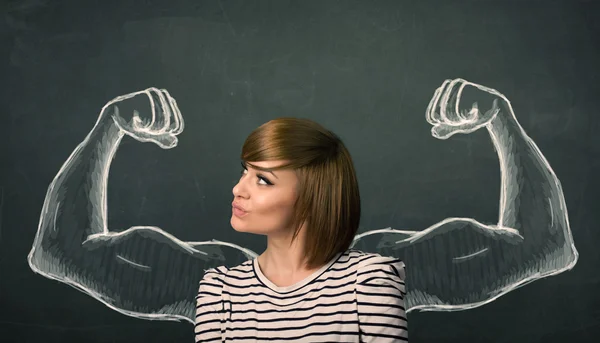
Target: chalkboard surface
[494, 208]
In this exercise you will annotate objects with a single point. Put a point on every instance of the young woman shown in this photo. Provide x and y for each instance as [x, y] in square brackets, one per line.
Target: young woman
[299, 189]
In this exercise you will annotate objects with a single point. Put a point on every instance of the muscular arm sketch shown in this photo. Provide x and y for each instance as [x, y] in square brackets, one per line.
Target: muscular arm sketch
[456, 264]
[461, 263]
[142, 271]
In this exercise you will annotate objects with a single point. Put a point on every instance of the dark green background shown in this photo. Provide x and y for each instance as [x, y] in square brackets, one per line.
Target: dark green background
[365, 69]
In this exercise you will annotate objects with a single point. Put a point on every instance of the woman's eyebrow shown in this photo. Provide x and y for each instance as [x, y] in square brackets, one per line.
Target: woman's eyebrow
[273, 174]
[262, 169]
[269, 171]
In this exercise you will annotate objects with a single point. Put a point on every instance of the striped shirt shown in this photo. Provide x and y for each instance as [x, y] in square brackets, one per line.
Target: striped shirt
[356, 297]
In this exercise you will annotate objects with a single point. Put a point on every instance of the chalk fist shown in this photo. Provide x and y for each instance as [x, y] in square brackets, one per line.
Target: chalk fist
[459, 106]
[160, 120]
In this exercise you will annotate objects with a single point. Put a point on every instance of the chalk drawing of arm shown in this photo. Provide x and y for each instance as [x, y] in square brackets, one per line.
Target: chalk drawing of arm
[142, 271]
[460, 263]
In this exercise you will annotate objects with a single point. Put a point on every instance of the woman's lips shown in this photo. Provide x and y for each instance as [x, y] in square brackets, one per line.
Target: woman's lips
[238, 210]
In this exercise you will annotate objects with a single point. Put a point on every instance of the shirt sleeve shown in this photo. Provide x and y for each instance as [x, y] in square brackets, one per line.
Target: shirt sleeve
[209, 307]
[380, 293]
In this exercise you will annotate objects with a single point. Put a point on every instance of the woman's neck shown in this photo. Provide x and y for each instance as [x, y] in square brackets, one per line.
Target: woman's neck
[282, 263]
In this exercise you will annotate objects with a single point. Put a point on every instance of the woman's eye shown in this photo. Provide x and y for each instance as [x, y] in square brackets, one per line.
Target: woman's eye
[265, 180]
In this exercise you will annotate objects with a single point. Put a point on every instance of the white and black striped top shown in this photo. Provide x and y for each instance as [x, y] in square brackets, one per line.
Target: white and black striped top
[357, 297]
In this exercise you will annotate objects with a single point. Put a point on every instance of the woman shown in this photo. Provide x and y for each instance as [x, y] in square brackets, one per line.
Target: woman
[298, 187]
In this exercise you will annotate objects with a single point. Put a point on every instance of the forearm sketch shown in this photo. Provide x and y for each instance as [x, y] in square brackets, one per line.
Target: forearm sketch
[461, 263]
[143, 271]
[456, 264]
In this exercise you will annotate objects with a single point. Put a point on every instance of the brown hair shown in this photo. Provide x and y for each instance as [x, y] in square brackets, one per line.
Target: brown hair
[328, 200]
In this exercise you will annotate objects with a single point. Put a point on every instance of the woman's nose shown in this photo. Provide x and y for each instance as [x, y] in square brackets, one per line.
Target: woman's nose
[239, 189]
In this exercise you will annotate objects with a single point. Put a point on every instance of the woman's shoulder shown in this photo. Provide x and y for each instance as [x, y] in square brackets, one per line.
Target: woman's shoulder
[370, 263]
[365, 258]
[216, 276]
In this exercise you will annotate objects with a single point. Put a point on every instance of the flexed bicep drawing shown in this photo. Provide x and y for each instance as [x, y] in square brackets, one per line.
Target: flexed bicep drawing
[143, 271]
[458, 263]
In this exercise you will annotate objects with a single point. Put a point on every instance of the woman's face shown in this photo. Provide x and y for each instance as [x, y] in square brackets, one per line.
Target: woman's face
[264, 201]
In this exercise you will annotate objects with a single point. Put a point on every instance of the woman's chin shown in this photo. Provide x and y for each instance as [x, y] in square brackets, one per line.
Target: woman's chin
[236, 225]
